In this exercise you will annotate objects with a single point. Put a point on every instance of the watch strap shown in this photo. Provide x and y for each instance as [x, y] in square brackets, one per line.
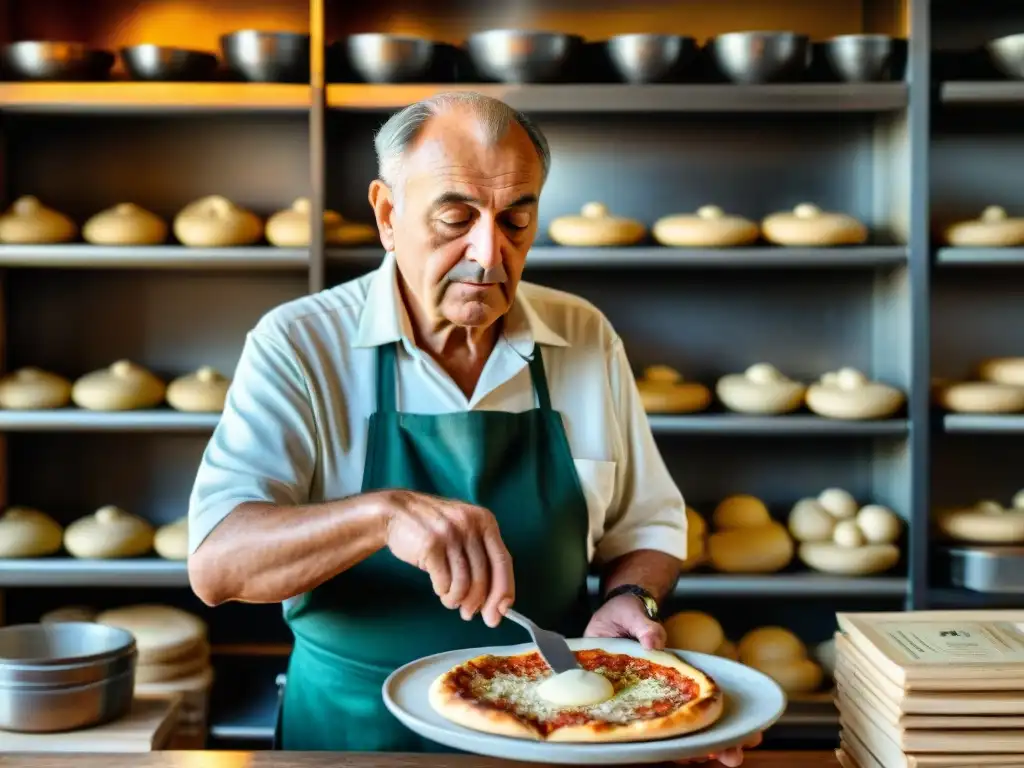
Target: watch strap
[648, 600]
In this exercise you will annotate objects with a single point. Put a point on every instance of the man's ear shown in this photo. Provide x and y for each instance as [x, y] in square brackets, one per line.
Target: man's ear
[383, 204]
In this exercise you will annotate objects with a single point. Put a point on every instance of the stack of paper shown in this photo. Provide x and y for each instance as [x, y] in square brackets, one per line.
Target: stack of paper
[930, 689]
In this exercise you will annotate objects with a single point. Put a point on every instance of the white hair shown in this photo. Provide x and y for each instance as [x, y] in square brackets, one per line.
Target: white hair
[396, 135]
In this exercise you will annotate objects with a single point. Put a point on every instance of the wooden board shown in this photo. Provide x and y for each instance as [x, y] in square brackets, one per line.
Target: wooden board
[146, 728]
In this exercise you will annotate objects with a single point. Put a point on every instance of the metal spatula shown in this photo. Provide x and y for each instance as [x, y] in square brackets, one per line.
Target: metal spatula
[552, 646]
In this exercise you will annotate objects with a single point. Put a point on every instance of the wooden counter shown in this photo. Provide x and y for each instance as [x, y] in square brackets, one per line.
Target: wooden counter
[214, 759]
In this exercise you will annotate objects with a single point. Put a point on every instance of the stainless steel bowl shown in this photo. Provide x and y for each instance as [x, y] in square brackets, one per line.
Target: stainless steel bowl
[64, 654]
[650, 58]
[267, 57]
[760, 57]
[861, 58]
[521, 56]
[41, 60]
[68, 708]
[382, 58]
[157, 62]
[1007, 55]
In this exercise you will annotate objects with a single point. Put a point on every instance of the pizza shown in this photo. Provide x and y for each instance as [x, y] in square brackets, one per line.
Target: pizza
[654, 696]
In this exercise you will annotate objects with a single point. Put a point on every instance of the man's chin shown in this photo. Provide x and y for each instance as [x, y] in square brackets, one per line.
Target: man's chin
[473, 314]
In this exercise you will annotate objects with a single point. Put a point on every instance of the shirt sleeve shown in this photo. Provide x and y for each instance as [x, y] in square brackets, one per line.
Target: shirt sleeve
[264, 446]
[647, 510]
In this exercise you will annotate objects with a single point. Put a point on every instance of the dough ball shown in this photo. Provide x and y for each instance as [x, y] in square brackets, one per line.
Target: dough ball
[696, 539]
[838, 503]
[72, 613]
[848, 534]
[825, 655]
[27, 532]
[810, 521]
[34, 389]
[879, 524]
[1018, 500]
[694, 631]
[171, 540]
[576, 688]
[204, 391]
[125, 224]
[765, 549]
[110, 532]
[770, 644]
[740, 511]
[727, 650]
[794, 677]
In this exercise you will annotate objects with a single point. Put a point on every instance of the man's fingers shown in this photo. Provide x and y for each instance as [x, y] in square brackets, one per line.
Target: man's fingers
[502, 592]
[480, 577]
[435, 563]
[459, 566]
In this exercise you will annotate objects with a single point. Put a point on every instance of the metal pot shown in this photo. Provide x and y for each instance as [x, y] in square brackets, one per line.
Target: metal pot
[160, 63]
[63, 654]
[267, 57]
[39, 709]
[45, 60]
[522, 56]
[761, 57]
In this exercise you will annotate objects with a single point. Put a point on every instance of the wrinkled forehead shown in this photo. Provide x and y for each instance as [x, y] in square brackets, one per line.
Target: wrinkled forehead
[454, 153]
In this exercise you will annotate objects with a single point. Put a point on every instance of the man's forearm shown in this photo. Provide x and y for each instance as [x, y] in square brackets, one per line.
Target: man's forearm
[264, 553]
[657, 572]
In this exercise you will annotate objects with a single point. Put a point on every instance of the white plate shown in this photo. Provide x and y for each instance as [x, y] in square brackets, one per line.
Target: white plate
[753, 702]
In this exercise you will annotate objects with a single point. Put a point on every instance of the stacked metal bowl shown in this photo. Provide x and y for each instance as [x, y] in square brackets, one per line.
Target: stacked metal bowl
[64, 676]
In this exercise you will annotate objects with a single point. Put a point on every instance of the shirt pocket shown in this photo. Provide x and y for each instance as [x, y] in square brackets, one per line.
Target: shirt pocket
[597, 479]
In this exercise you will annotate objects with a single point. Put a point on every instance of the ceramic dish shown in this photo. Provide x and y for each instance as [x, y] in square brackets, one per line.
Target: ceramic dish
[753, 702]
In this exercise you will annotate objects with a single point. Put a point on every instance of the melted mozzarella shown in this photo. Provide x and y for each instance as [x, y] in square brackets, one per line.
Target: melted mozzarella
[576, 688]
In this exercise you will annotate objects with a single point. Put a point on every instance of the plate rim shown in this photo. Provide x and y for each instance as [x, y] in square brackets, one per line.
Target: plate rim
[606, 753]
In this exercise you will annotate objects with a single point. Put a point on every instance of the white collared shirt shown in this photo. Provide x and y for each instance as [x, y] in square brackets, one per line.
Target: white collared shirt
[294, 427]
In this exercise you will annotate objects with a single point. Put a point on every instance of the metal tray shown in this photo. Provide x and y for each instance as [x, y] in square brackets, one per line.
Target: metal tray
[988, 569]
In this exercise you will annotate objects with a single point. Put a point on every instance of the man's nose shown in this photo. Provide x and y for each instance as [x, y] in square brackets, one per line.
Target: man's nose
[485, 243]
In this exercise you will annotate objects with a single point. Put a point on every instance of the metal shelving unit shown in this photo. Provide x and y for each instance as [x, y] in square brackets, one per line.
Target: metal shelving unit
[976, 311]
[646, 151]
[152, 257]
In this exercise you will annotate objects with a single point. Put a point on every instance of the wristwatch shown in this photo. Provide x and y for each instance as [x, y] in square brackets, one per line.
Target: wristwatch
[649, 602]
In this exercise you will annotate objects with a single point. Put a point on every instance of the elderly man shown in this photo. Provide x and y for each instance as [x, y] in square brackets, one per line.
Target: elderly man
[403, 456]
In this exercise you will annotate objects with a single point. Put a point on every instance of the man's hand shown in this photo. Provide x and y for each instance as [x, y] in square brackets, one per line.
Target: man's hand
[458, 545]
[624, 616]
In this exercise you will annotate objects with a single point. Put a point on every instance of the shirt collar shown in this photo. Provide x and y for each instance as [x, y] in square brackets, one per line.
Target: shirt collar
[384, 318]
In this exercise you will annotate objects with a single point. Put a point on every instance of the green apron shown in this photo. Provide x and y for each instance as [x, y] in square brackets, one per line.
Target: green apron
[354, 630]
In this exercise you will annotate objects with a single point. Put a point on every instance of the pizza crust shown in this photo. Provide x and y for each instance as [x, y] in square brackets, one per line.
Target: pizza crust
[703, 710]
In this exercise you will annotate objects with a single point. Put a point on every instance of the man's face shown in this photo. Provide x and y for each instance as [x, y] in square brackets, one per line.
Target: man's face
[465, 218]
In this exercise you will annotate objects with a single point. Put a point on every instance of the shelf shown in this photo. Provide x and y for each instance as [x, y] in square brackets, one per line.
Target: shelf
[582, 98]
[79, 256]
[66, 571]
[154, 572]
[997, 92]
[981, 257]
[954, 598]
[154, 97]
[793, 425]
[983, 422]
[658, 257]
[806, 584]
[77, 420]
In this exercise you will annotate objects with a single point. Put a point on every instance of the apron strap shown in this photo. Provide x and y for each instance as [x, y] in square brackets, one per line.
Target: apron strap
[540, 379]
[387, 370]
